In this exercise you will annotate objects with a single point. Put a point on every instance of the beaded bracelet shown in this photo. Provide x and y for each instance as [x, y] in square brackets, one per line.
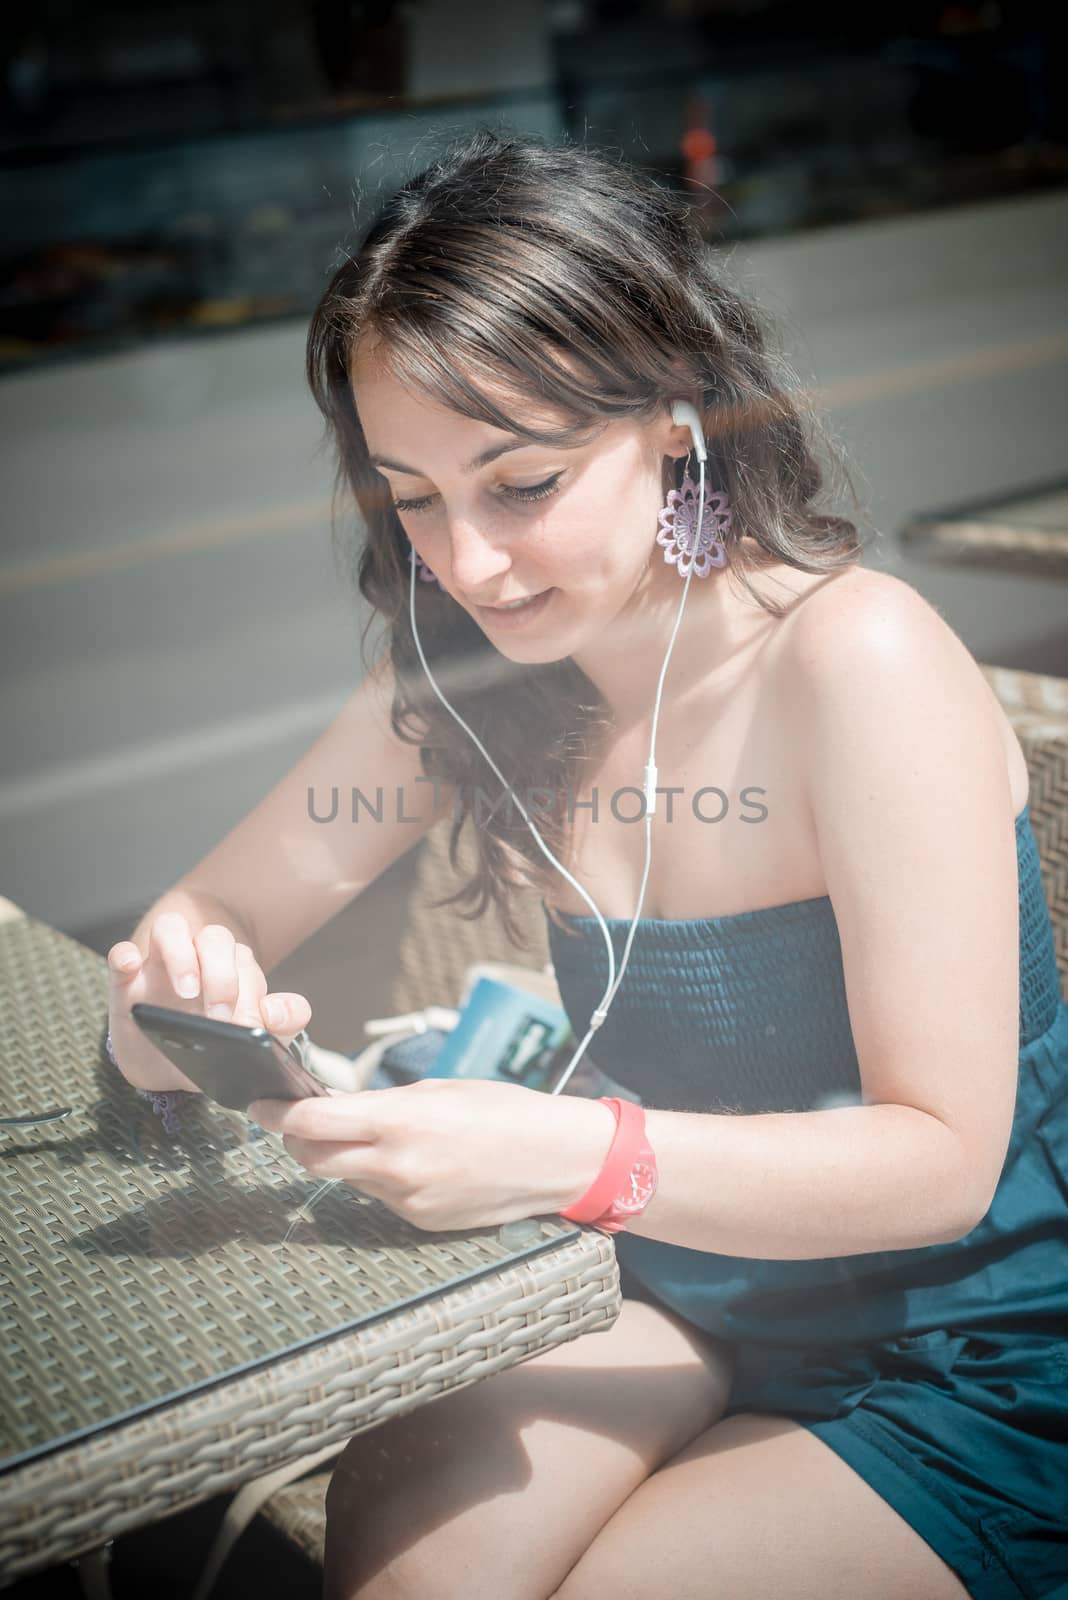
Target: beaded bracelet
[164, 1101]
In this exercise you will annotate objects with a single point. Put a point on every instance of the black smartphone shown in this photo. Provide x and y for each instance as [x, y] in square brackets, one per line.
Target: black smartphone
[234, 1065]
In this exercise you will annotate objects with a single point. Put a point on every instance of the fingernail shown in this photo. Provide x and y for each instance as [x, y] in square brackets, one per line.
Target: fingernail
[274, 1011]
[220, 1011]
[189, 986]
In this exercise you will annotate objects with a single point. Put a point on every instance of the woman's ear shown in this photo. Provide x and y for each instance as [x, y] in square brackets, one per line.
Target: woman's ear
[678, 438]
[669, 475]
[675, 441]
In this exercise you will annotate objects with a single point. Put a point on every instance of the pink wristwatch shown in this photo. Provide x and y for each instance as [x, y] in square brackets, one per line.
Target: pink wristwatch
[627, 1181]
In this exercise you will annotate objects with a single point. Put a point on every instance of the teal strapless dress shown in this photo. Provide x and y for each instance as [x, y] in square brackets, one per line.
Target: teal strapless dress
[941, 1373]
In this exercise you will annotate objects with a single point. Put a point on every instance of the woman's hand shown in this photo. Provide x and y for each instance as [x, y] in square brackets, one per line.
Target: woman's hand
[450, 1153]
[208, 974]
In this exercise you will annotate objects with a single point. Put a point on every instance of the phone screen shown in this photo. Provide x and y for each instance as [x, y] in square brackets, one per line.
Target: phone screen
[233, 1065]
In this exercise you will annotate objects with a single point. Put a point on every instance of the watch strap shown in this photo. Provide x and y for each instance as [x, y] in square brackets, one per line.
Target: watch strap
[622, 1154]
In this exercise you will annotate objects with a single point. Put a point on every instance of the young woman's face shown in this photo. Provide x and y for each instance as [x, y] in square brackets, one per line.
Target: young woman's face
[573, 526]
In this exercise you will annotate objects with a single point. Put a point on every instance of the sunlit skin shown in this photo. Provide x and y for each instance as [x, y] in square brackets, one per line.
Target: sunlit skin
[592, 537]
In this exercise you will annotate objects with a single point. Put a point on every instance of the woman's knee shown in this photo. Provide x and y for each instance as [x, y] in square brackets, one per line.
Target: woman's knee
[400, 1495]
[651, 1379]
[466, 1441]
[604, 1411]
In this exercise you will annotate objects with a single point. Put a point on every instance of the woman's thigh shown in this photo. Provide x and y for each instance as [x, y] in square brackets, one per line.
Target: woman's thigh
[498, 1489]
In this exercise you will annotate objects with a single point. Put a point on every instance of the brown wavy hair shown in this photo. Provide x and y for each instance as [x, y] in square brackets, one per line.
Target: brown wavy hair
[501, 257]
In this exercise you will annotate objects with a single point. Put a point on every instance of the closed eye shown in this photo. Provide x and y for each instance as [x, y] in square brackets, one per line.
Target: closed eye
[529, 492]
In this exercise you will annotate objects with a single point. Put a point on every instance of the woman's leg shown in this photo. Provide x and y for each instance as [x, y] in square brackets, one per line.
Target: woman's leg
[493, 1493]
[758, 1506]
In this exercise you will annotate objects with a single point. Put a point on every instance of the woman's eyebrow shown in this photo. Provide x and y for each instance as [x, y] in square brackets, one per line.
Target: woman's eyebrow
[482, 460]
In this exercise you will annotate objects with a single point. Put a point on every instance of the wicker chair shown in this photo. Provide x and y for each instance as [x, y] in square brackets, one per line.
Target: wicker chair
[439, 947]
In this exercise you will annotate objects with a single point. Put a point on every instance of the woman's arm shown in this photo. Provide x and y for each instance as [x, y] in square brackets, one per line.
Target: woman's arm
[908, 784]
[277, 876]
[198, 907]
[300, 855]
[800, 1185]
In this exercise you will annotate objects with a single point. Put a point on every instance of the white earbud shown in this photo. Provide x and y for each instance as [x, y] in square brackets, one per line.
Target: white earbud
[685, 415]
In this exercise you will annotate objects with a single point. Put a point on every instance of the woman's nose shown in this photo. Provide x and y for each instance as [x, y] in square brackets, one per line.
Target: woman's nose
[478, 564]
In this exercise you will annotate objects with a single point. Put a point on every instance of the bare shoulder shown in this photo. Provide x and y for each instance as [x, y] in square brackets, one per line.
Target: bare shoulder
[867, 628]
[878, 616]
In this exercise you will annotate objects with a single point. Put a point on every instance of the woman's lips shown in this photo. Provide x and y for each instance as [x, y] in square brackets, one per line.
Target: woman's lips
[517, 616]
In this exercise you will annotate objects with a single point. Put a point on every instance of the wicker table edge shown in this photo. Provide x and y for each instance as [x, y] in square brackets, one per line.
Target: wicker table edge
[77, 1498]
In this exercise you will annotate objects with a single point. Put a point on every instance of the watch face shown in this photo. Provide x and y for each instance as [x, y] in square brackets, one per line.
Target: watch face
[641, 1186]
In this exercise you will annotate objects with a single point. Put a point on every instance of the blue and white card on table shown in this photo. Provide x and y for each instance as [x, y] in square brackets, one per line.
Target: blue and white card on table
[506, 1034]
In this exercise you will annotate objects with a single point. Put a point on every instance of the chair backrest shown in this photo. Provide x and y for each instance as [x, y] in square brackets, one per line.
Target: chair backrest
[1037, 706]
[439, 945]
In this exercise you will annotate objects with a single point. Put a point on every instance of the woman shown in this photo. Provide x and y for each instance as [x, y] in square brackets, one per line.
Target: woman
[839, 1366]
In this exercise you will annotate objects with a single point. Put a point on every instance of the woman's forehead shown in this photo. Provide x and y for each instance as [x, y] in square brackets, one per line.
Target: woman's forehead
[376, 384]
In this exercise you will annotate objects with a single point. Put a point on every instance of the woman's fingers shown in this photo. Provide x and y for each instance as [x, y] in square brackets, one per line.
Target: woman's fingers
[124, 962]
[251, 986]
[229, 981]
[220, 973]
[172, 942]
[285, 1014]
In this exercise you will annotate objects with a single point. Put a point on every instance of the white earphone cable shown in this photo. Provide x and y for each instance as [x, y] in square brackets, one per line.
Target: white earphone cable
[684, 413]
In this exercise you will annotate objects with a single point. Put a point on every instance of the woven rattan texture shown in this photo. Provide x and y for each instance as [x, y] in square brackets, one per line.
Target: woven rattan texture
[1037, 706]
[135, 1270]
[217, 1439]
[298, 1512]
[439, 945]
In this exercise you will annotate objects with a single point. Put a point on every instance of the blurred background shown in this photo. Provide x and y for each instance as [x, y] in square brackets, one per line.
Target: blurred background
[177, 182]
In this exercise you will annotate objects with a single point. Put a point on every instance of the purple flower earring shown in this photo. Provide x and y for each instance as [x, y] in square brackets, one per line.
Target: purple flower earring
[422, 569]
[678, 529]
